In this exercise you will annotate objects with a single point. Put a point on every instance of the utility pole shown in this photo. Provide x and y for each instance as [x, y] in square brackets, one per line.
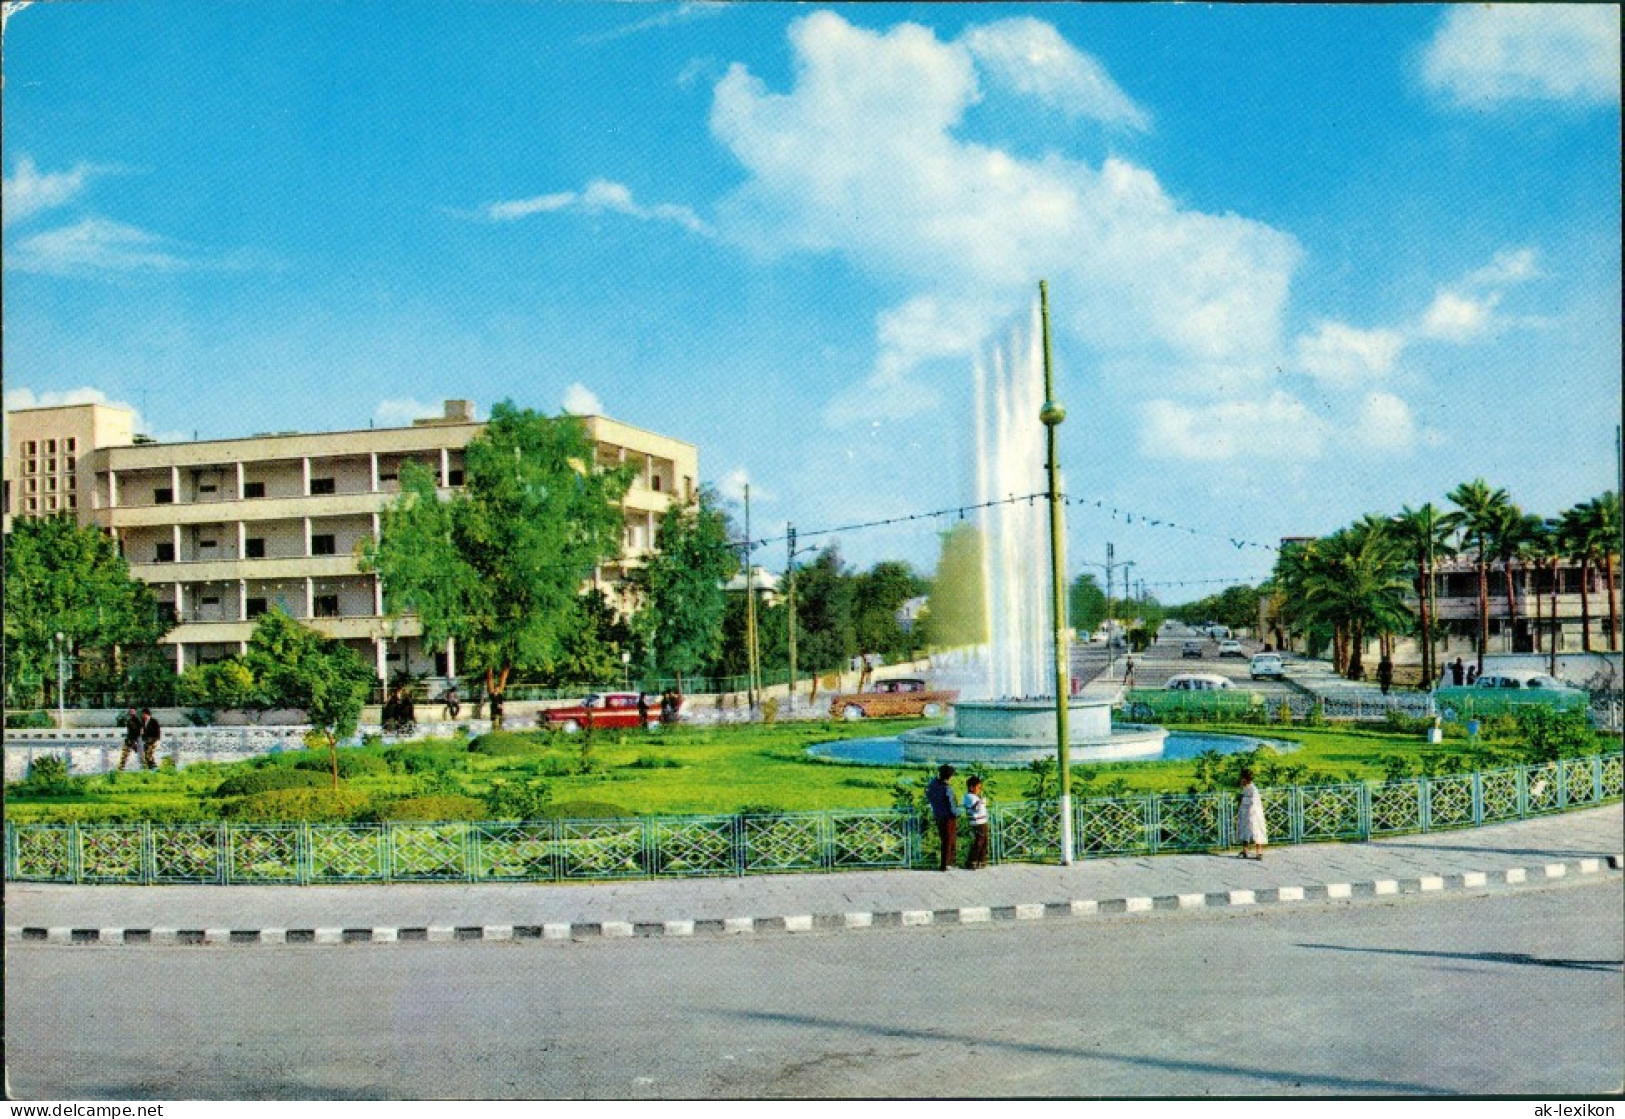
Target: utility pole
[1051, 416]
[790, 577]
[752, 670]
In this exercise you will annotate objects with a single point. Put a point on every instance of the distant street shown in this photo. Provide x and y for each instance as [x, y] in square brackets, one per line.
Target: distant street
[1509, 993]
[1166, 658]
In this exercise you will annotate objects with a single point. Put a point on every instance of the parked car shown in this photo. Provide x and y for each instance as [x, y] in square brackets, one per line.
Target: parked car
[1267, 666]
[603, 710]
[903, 697]
[1495, 693]
[1206, 693]
[1198, 682]
[1230, 647]
[1191, 649]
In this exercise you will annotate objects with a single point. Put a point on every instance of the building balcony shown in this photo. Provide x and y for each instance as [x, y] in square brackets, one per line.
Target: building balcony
[365, 627]
[224, 570]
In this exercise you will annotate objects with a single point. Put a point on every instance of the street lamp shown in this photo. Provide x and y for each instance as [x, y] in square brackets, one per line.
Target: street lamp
[626, 670]
[1051, 416]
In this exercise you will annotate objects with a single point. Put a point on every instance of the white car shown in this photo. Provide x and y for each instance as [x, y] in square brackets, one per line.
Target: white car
[1230, 647]
[1267, 665]
[1198, 682]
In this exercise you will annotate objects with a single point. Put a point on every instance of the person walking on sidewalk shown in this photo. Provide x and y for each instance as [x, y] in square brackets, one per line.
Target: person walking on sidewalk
[976, 817]
[945, 811]
[150, 732]
[1251, 829]
[132, 740]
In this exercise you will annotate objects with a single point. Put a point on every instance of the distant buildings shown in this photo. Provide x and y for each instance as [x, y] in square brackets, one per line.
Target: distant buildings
[224, 530]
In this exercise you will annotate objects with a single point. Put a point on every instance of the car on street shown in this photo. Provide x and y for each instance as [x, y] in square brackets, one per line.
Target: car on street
[1266, 666]
[1496, 693]
[603, 711]
[1191, 649]
[1230, 647]
[903, 697]
[1199, 694]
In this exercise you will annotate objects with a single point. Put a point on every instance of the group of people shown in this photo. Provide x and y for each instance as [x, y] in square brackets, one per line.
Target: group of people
[1461, 674]
[946, 810]
[141, 735]
[1252, 831]
[670, 701]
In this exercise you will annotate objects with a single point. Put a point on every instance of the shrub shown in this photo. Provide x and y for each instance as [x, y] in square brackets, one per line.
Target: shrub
[440, 806]
[516, 800]
[48, 777]
[418, 760]
[352, 763]
[298, 806]
[200, 716]
[505, 744]
[648, 761]
[32, 720]
[264, 780]
[584, 810]
[770, 710]
[1548, 734]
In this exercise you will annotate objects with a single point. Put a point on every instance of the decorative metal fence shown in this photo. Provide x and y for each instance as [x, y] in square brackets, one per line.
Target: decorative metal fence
[695, 846]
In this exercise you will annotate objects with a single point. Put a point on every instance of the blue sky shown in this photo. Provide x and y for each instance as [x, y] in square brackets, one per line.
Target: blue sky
[1305, 263]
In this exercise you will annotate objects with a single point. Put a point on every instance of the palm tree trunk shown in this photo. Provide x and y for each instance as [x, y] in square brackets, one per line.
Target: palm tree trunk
[1427, 631]
[1483, 606]
[1356, 640]
[1556, 629]
[1613, 601]
[1585, 603]
[1535, 595]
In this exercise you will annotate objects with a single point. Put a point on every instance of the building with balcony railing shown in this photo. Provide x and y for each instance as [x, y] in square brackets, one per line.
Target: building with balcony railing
[225, 530]
[1535, 617]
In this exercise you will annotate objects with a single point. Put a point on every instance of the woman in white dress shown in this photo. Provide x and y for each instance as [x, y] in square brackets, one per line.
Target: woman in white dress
[1250, 815]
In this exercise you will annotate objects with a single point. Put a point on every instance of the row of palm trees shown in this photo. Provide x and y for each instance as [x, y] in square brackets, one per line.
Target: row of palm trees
[1376, 576]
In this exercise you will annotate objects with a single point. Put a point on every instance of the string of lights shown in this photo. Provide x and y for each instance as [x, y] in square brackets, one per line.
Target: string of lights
[959, 512]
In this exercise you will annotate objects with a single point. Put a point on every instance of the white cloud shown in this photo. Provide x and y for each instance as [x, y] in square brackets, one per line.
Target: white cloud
[579, 400]
[1510, 266]
[401, 411]
[1339, 354]
[599, 196]
[1484, 55]
[1454, 317]
[860, 158]
[27, 192]
[94, 245]
[23, 397]
[1032, 58]
[1279, 426]
[732, 487]
[1385, 424]
[682, 13]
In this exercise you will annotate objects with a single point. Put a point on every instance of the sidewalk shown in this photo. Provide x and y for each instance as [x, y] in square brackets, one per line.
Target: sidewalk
[1521, 854]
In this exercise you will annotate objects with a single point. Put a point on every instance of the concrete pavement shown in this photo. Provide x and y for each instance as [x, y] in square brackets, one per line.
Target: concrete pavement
[1511, 856]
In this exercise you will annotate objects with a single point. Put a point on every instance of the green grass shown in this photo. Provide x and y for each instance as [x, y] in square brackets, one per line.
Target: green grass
[700, 770]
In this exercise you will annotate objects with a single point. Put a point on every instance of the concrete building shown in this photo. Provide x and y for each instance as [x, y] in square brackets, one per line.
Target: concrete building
[224, 530]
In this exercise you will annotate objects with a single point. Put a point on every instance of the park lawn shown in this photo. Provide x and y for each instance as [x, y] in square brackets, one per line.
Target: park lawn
[723, 770]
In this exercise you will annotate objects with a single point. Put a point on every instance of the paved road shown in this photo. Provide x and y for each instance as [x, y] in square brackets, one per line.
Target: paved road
[1493, 993]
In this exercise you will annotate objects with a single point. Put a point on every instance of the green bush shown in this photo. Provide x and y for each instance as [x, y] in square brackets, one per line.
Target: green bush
[516, 800]
[352, 763]
[48, 777]
[441, 806]
[264, 780]
[584, 810]
[1549, 734]
[416, 760]
[32, 720]
[287, 806]
[506, 744]
[648, 761]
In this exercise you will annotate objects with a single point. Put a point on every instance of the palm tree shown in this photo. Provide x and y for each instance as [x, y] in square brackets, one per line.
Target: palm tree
[1481, 516]
[1426, 532]
[1513, 532]
[1606, 523]
[1544, 547]
[1352, 582]
[1581, 541]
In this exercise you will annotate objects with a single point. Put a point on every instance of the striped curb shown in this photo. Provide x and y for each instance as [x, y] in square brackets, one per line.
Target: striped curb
[808, 922]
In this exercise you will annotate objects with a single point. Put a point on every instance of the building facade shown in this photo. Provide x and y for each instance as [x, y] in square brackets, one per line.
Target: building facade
[224, 530]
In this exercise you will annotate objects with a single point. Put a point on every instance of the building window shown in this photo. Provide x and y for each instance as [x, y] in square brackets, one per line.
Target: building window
[69, 465]
[73, 501]
[70, 445]
[327, 605]
[255, 607]
[323, 544]
[322, 486]
[33, 485]
[33, 505]
[50, 485]
[31, 466]
[209, 600]
[30, 448]
[208, 487]
[253, 489]
[254, 547]
[164, 496]
[454, 477]
[164, 552]
[657, 483]
[50, 446]
[208, 543]
[50, 504]
[166, 613]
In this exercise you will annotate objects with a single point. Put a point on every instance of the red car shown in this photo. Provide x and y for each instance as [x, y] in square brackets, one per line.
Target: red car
[604, 710]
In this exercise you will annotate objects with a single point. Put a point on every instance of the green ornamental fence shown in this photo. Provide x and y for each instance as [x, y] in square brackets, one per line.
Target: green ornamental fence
[689, 846]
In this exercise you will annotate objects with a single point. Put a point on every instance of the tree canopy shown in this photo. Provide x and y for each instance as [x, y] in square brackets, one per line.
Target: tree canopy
[499, 564]
[294, 666]
[684, 603]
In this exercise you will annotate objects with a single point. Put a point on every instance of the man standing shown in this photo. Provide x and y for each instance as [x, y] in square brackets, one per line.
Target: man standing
[150, 731]
[132, 739]
[945, 810]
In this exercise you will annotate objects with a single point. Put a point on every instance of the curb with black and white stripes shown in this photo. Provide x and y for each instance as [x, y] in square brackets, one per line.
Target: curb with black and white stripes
[807, 922]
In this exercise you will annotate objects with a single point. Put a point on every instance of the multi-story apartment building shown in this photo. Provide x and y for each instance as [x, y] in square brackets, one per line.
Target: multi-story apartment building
[1540, 618]
[224, 530]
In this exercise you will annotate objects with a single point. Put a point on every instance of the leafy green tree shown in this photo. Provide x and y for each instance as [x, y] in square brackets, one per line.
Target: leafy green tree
[825, 635]
[63, 577]
[222, 684]
[591, 649]
[877, 595]
[681, 585]
[499, 565]
[1086, 604]
[1483, 511]
[294, 666]
[958, 601]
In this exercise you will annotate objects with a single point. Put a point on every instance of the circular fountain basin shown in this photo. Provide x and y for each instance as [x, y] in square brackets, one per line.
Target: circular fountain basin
[1179, 744]
[999, 733]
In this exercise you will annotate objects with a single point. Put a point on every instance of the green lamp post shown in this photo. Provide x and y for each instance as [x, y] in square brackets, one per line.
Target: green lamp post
[1051, 415]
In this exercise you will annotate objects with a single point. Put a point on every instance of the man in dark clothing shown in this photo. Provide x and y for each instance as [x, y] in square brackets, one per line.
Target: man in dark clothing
[1385, 674]
[945, 811]
[643, 711]
[1457, 673]
[132, 739]
[150, 732]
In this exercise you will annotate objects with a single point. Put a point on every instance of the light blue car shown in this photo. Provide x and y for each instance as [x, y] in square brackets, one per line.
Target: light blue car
[1496, 693]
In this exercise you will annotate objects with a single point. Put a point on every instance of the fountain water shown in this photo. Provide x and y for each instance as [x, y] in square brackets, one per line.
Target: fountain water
[1007, 715]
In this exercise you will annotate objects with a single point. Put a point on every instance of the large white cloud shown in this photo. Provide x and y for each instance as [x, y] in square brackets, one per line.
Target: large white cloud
[1344, 355]
[861, 158]
[1032, 58]
[579, 400]
[1487, 54]
[1279, 426]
